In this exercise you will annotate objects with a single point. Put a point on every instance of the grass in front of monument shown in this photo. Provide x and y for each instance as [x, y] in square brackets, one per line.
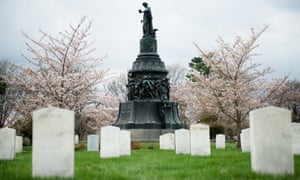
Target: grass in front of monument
[146, 163]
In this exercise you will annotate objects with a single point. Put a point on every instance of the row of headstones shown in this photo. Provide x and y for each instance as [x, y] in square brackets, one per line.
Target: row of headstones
[115, 146]
[10, 144]
[272, 140]
[114, 142]
[295, 128]
[53, 141]
[194, 141]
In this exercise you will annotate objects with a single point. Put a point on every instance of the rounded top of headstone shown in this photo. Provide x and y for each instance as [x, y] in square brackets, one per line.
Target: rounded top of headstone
[270, 109]
[199, 126]
[246, 130]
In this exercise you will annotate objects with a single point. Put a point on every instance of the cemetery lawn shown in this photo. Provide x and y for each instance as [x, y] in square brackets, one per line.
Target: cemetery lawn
[146, 163]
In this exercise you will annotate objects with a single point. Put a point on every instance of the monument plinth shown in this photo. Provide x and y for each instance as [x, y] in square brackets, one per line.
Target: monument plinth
[148, 111]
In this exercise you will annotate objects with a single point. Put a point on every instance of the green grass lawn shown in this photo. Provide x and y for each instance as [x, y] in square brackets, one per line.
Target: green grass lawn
[146, 163]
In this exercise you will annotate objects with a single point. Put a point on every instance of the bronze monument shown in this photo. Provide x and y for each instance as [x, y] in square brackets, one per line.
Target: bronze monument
[148, 111]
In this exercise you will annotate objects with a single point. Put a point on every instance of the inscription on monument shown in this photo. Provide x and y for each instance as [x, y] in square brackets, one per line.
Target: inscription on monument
[126, 113]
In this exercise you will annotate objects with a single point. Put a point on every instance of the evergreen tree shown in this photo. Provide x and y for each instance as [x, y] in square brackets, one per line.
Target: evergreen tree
[198, 65]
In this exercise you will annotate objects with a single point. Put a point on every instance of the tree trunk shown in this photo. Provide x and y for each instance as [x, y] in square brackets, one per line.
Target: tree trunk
[238, 133]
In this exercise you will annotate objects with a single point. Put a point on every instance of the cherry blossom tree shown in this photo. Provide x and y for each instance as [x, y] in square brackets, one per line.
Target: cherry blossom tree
[115, 86]
[109, 108]
[288, 96]
[236, 83]
[61, 71]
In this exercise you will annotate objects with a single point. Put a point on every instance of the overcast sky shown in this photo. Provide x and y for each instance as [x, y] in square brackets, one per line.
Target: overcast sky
[116, 28]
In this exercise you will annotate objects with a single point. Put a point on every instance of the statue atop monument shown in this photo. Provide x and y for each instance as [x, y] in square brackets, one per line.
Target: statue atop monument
[147, 21]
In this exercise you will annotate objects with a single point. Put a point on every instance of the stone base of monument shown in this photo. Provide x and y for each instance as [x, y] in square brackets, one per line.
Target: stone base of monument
[148, 135]
[147, 120]
[149, 115]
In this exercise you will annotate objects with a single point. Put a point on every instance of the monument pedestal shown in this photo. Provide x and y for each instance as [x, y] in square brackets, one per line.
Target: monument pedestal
[147, 120]
[148, 115]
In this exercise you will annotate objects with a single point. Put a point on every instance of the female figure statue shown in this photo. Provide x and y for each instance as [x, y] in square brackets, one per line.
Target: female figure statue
[147, 21]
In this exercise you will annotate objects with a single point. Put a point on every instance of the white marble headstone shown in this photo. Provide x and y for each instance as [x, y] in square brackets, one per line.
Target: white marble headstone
[7, 143]
[271, 141]
[76, 139]
[296, 138]
[19, 144]
[110, 142]
[200, 142]
[245, 140]
[182, 141]
[220, 141]
[125, 143]
[53, 143]
[167, 141]
[93, 142]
